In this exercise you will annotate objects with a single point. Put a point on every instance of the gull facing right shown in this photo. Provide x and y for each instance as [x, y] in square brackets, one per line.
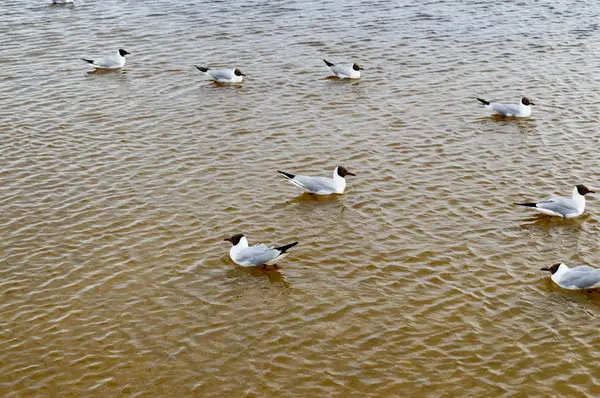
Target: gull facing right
[223, 75]
[563, 207]
[345, 71]
[522, 109]
[321, 185]
[576, 278]
[115, 61]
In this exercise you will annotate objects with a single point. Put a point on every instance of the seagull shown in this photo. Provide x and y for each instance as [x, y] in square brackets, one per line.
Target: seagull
[563, 207]
[576, 278]
[343, 71]
[223, 75]
[63, 1]
[522, 109]
[321, 185]
[115, 61]
[246, 256]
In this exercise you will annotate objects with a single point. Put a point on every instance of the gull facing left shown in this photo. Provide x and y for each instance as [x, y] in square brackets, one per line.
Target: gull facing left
[255, 255]
[576, 278]
[563, 207]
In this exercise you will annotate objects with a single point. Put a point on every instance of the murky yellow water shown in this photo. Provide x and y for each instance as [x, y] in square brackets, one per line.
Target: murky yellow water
[116, 191]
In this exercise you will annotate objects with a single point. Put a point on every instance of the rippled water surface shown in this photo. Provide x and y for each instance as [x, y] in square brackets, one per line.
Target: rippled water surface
[117, 189]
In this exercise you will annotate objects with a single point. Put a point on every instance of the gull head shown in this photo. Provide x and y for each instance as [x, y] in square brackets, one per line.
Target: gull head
[553, 268]
[342, 172]
[123, 53]
[356, 67]
[582, 189]
[235, 239]
[238, 72]
[525, 101]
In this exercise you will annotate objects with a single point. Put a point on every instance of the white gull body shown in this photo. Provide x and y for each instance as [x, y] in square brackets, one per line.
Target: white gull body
[345, 71]
[563, 207]
[223, 75]
[321, 185]
[114, 61]
[252, 256]
[576, 278]
[522, 109]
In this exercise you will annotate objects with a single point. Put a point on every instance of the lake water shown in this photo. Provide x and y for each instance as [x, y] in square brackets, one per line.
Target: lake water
[423, 279]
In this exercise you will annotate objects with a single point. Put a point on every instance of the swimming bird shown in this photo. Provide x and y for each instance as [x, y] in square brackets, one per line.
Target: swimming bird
[321, 185]
[576, 278]
[522, 109]
[563, 207]
[223, 75]
[255, 255]
[115, 61]
[63, 1]
[345, 71]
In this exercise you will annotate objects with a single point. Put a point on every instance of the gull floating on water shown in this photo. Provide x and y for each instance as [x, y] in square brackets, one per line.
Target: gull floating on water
[321, 185]
[345, 71]
[63, 1]
[563, 207]
[223, 75]
[115, 61]
[522, 109]
[255, 255]
[576, 278]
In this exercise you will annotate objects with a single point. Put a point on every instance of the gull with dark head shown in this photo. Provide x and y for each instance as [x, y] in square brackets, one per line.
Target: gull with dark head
[563, 207]
[252, 256]
[522, 109]
[345, 71]
[114, 61]
[321, 185]
[576, 278]
[223, 75]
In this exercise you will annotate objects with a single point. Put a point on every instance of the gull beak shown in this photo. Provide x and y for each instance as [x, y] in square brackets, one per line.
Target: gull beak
[227, 240]
[361, 68]
[545, 269]
[591, 191]
[351, 174]
[531, 103]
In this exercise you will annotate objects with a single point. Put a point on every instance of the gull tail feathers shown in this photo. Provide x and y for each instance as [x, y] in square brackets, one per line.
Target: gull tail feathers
[201, 68]
[328, 63]
[286, 175]
[285, 248]
[531, 204]
[484, 102]
[87, 60]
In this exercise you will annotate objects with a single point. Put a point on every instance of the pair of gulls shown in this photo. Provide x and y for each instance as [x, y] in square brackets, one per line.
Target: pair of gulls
[251, 256]
[577, 278]
[343, 71]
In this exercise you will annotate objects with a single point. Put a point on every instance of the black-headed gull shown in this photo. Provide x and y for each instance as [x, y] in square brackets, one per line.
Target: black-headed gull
[321, 185]
[345, 71]
[255, 255]
[522, 109]
[114, 61]
[223, 75]
[576, 278]
[563, 207]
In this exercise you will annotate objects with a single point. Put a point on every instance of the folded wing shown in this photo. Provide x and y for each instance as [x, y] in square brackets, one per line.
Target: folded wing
[257, 255]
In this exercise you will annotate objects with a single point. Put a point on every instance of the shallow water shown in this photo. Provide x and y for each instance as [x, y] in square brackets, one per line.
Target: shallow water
[117, 189]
